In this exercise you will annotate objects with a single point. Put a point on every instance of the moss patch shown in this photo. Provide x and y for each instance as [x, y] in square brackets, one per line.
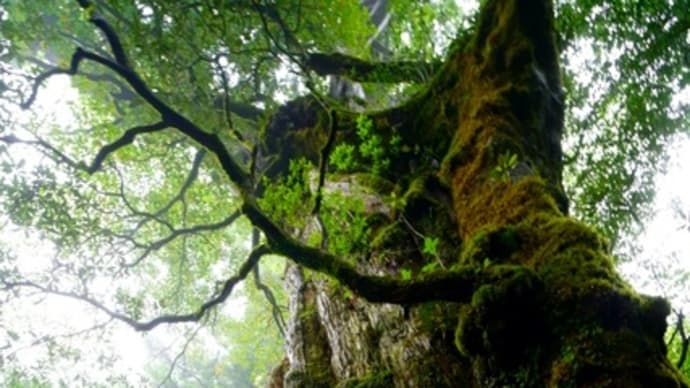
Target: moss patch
[383, 379]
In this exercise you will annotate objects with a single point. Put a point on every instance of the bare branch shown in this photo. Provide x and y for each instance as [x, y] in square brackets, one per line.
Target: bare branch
[146, 216]
[268, 294]
[79, 333]
[126, 139]
[43, 77]
[191, 177]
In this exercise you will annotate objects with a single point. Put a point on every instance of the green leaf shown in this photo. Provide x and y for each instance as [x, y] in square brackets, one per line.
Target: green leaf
[431, 246]
[430, 267]
[406, 274]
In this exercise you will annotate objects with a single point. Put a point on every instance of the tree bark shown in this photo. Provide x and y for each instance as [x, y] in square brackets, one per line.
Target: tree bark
[492, 193]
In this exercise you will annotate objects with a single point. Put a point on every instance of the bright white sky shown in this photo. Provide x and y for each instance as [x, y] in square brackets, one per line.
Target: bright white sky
[666, 247]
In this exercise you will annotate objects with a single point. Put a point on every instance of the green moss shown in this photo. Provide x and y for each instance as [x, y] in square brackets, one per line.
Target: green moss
[494, 244]
[485, 295]
[389, 237]
[501, 320]
[375, 182]
[563, 233]
[654, 311]
[303, 380]
[383, 379]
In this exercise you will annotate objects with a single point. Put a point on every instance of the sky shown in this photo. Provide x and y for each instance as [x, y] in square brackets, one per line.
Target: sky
[666, 239]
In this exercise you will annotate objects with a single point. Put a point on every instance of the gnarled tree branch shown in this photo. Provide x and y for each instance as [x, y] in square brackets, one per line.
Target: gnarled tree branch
[456, 285]
[360, 70]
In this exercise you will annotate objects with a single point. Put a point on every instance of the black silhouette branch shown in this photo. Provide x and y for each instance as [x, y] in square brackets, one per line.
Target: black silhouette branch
[191, 177]
[270, 297]
[54, 153]
[108, 31]
[170, 116]
[134, 212]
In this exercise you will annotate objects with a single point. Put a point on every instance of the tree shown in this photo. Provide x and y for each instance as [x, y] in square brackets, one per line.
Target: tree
[429, 239]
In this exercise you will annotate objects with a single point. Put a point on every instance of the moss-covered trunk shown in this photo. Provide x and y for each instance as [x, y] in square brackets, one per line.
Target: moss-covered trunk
[576, 323]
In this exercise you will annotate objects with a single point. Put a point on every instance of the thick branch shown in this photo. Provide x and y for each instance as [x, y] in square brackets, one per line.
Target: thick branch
[362, 71]
[246, 111]
[113, 40]
[457, 285]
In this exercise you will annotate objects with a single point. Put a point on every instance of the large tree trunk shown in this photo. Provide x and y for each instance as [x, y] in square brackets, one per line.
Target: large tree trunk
[495, 200]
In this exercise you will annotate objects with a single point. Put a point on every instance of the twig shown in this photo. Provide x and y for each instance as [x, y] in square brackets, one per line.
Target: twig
[158, 244]
[225, 292]
[275, 309]
[179, 355]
